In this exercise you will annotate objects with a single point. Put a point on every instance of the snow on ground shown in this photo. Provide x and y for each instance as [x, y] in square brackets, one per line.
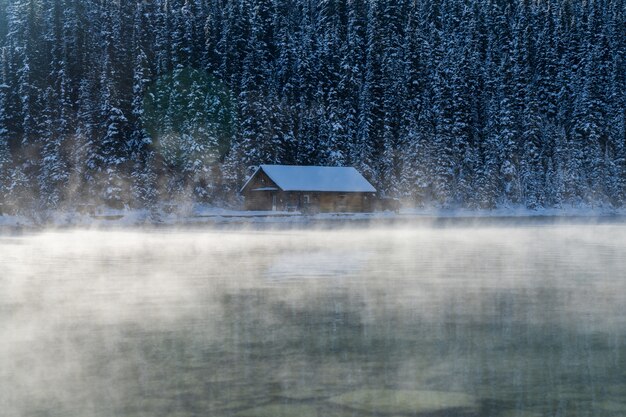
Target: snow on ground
[14, 221]
[580, 211]
[198, 214]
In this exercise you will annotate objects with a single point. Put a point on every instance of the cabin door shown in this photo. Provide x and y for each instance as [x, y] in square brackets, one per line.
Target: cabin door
[273, 202]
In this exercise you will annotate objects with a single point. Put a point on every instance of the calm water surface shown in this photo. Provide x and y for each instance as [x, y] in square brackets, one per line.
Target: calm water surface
[455, 321]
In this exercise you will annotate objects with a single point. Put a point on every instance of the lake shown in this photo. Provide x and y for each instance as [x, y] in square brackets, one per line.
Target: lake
[460, 320]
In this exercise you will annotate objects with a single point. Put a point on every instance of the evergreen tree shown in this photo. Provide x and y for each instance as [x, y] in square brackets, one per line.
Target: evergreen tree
[143, 171]
[5, 152]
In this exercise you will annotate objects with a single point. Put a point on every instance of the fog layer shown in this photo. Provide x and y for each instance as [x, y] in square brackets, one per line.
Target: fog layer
[478, 321]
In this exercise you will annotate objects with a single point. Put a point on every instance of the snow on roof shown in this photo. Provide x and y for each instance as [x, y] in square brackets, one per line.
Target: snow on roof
[314, 178]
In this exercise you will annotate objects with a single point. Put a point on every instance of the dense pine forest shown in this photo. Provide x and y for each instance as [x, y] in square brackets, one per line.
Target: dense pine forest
[450, 103]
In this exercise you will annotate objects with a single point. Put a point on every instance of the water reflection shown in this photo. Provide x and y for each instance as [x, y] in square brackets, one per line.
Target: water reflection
[431, 322]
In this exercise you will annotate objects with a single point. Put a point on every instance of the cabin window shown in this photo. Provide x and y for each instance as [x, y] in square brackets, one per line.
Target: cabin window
[305, 199]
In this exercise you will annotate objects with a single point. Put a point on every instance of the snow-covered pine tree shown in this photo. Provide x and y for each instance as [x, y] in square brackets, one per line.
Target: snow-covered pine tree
[53, 173]
[5, 151]
[143, 170]
[414, 172]
[305, 80]
[351, 76]
[505, 126]
[393, 97]
[368, 144]
[616, 96]
[590, 107]
[24, 69]
[463, 88]
[261, 139]
[112, 128]
[443, 139]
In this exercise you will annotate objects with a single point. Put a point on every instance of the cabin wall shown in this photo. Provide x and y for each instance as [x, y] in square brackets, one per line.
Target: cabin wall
[344, 202]
[259, 200]
[327, 202]
[318, 201]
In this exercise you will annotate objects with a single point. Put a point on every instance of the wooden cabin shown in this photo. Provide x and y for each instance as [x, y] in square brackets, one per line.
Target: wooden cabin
[309, 189]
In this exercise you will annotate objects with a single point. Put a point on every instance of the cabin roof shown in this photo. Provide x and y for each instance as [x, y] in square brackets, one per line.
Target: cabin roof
[315, 178]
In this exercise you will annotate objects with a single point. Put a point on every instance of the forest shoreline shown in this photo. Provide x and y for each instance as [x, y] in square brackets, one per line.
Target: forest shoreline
[476, 104]
[203, 217]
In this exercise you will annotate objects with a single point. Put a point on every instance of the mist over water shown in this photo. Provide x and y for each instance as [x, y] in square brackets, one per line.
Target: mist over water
[453, 321]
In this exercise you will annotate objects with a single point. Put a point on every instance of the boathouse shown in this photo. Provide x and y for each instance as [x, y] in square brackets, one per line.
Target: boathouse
[308, 189]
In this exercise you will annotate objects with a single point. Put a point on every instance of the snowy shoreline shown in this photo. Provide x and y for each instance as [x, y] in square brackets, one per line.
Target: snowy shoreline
[205, 216]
